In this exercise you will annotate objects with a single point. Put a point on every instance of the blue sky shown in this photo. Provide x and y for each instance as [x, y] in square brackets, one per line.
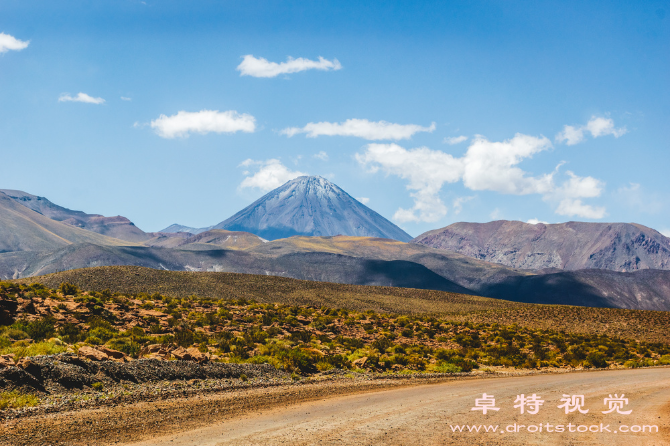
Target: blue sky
[430, 112]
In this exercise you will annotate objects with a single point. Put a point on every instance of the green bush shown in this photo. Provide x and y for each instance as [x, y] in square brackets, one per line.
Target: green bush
[101, 333]
[446, 367]
[16, 334]
[98, 386]
[125, 345]
[67, 289]
[94, 340]
[20, 349]
[17, 400]
[71, 333]
[596, 359]
[38, 330]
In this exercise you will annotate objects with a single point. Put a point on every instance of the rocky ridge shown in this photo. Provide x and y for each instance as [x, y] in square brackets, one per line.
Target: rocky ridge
[571, 246]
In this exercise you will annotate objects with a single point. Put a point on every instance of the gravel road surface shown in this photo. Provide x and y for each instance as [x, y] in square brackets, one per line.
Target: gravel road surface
[428, 415]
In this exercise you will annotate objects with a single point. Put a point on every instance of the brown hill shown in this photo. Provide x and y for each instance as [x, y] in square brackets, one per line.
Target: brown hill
[572, 246]
[22, 229]
[116, 227]
[630, 324]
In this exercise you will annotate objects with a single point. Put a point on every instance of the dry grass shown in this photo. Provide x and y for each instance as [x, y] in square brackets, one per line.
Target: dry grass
[17, 400]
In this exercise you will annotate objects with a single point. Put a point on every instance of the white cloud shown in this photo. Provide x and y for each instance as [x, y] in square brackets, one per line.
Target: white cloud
[597, 126]
[260, 67]
[123, 98]
[575, 207]
[571, 135]
[604, 126]
[665, 232]
[569, 195]
[204, 121]
[361, 128]
[426, 171]
[459, 202]
[492, 165]
[496, 214]
[11, 43]
[323, 156]
[81, 97]
[487, 165]
[636, 197]
[535, 221]
[455, 140]
[363, 200]
[270, 175]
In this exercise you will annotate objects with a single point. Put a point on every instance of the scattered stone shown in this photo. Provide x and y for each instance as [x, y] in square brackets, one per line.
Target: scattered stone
[114, 354]
[92, 354]
[6, 360]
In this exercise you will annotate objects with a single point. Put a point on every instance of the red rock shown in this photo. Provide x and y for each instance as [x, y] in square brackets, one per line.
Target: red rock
[114, 354]
[92, 354]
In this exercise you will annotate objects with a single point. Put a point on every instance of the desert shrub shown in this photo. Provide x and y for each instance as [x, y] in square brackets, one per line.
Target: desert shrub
[101, 333]
[68, 289]
[98, 386]
[445, 367]
[93, 340]
[301, 336]
[444, 354]
[322, 366]
[382, 344]
[465, 365]
[16, 334]
[596, 359]
[664, 360]
[17, 400]
[38, 330]
[184, 337]
[350, 343]
[261, 359]
[71, 333]
[416, 363]
[21, 349]
[468, 341]
[125, 345]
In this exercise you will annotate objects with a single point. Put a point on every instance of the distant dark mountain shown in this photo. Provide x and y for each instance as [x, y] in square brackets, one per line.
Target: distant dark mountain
[431, 269]
[318, 266]
[22, 229]
[308, 206]
[116, 227]
[569, 246]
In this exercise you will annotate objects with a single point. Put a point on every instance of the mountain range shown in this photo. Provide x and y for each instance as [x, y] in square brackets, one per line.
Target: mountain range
[116, 227]
[568, 246]
[573, 263]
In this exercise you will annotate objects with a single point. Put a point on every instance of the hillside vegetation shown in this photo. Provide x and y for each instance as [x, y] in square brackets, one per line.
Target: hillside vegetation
[650, 326]
[301, 339]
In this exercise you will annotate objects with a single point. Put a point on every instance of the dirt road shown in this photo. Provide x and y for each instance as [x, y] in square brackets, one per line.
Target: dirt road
[428, 415]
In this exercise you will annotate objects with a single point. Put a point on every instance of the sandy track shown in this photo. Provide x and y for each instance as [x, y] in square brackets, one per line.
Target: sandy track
[426, 414]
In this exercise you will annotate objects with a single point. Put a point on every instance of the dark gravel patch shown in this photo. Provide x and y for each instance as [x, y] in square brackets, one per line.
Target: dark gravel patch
[67, 371]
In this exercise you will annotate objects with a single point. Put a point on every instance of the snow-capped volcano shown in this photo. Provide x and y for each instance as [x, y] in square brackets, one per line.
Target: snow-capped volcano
[311, 205]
